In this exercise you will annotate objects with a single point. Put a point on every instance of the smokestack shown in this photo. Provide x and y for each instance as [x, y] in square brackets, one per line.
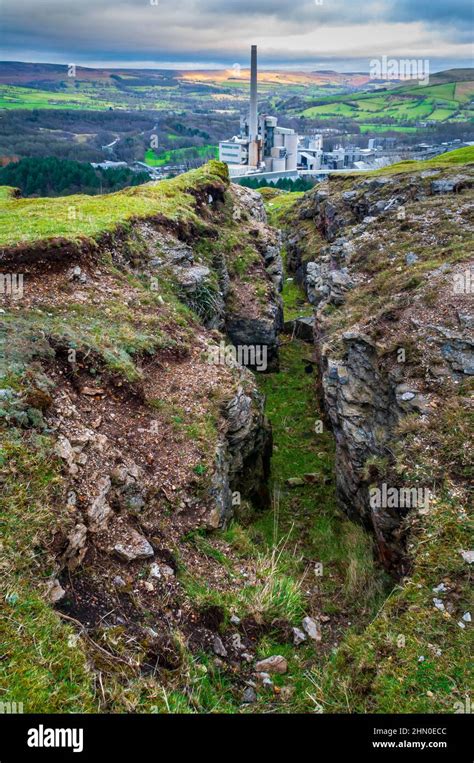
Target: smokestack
[253, 120]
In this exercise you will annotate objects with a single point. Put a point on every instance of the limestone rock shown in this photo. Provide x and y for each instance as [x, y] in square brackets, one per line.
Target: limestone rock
[274, 664]
[133, 546]
[76, 549]
[312, 628]
[298, 636]
[65, 451]
[218, 647]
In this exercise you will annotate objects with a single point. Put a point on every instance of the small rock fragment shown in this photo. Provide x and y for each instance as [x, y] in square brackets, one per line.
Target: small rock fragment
[312, 628]
[55, 591]
[298, 636]
[134, 547]
[236, 641]
[274, 664]
[218, 647]
[295, 482]
[249, 696]
[155, 570]
[411, 258]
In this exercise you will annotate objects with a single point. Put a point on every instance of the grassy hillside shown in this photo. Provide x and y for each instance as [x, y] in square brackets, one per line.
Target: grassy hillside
[405, 105]
[76, 218]
[48, 86]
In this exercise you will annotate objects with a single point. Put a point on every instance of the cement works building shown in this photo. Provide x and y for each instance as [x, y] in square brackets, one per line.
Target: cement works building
[262, 147]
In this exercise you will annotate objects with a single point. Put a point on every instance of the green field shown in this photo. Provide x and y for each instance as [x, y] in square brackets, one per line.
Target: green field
[367, 127]
[406, 105]
[83, 95]
[180, 155]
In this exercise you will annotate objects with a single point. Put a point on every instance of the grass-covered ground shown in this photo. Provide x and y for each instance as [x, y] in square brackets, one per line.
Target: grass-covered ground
[180, 155]
[413, 657]
[76, 218]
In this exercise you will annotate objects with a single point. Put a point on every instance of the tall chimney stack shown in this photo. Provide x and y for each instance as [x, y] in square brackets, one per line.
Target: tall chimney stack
[253, 121]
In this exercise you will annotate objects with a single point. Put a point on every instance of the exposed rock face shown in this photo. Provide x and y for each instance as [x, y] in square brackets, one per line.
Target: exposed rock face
[244, 302]
[361, 407]
[259, 332]
[242, 459]
[249, 443]
[331, 214]
[255, 317]
[301, 328]
[365, 240]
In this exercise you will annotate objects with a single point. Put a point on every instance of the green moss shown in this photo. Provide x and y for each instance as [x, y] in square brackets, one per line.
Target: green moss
[294, 302]
[279, 205]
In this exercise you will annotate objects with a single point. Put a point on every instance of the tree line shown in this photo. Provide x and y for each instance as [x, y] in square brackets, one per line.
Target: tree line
[50, 176]
[285, 184]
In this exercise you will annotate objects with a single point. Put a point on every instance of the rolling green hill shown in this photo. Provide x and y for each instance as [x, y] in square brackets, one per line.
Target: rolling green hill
[403, 107]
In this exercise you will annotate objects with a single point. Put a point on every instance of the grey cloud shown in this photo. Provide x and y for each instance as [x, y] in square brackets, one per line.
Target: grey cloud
[435, 11]
[207, 30]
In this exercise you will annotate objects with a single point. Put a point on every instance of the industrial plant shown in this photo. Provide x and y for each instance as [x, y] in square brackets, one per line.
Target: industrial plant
[264, 150]
[262, 147]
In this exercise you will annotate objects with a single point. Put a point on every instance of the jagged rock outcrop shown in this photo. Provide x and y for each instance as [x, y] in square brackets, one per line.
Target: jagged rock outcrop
[121, 362]
[254, 315]
[242, 458]
[393, 332]
[330, 214]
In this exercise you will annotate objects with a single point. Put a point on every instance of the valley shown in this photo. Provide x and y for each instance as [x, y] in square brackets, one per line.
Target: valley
[201, 537]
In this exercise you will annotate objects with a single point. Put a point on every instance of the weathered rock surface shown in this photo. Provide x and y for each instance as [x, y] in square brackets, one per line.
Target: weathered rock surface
[301, 328]
[133, 546]
[367, 393]
[274, 664]
[242, 459]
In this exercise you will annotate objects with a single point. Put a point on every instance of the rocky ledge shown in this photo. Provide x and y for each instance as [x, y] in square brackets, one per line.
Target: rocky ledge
[385, 262]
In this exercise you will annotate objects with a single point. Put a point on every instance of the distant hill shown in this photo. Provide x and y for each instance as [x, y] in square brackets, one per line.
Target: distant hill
[20, 73]
[54, 86]
[453, 75]
[447, 97]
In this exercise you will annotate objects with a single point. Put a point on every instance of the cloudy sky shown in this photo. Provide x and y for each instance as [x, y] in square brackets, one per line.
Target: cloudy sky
[343, 34]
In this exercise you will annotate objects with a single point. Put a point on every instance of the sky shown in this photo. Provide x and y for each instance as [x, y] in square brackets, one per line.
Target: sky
[298, 34]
